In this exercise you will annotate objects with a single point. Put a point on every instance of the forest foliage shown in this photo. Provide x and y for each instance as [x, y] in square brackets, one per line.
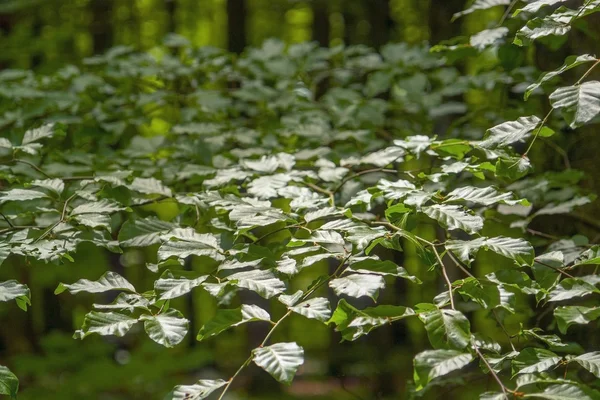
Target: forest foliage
[306, 176]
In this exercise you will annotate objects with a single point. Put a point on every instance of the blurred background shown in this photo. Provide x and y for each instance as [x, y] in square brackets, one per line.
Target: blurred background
[45, 35]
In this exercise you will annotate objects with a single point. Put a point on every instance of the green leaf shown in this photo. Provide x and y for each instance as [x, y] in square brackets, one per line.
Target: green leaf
[570, 62]
[321, 237]
[531, 360]
[489, 37]
[150, 186]
[358, 285]
[108, 281]
[105, 323]
[580, 103]
[126, 301]
[431, 364]
[381, 267]
[9, 384]
[54, 185]
[167, 329]
[538, 28]
[590, 361]
[560, 392]
[184, 242]
[535, 5]
[33, 135]
[198, 391]
[570, 315]
[571, 287]
[589, 257]
[454, 217]
[353, 323]
[518, 250]
[170, 288]
[21, 195]
[143, 232]
[447, 329]
[316, 308]
[98, 207]
[509, 132]
[513, 168]
[265, 283]
[228, 318]
[480, 5]
[486, 196]
[10, 290]
[281, 360]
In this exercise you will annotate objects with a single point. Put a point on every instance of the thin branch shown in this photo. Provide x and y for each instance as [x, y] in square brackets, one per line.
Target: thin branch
[504, 330]
[459, 264]
[505, 390]
[445, 273]
[277, 231]
[507, 13]
[249, 359]
[7, 220]
[360, 173]
[151, 201]
[555, 268]
[38, 169]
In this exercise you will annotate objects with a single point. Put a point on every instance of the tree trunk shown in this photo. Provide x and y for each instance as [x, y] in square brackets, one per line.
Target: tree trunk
[321, 28]
[381, 21]
[102, 35]
[171, 6]
[236, 25]
[440, 27]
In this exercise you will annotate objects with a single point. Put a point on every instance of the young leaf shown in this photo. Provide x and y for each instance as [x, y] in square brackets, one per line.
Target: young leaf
[21, 195]
[105, 323]
[265, 283]
[184, 242]
[590, 361]
[454, 217]
[480, 5]
[9, 384]
[431, 364]
[198, 391]
[143, 232]
[167, 329]
[358, 285]
[570, 315]
[570, 62]
[509, 132]
[560, 392]
[531, 360]
[571, 287]
[447, 328]
[170, 288]
[353, 323]
[225, 319]
[380, 267]
[281, 360]
[486, 196]
[108, 281]
[580, 103]
[10, 290]
[33, 135]
[317, 308]
[518, 250]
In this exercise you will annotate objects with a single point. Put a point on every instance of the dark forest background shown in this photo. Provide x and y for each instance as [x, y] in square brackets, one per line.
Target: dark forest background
[44, 35]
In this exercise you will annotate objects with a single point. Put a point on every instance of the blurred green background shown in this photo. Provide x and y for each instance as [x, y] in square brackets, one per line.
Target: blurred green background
[47, 34]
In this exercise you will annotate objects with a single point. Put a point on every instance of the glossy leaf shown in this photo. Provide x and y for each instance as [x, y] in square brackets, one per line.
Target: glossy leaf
[281, 360]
